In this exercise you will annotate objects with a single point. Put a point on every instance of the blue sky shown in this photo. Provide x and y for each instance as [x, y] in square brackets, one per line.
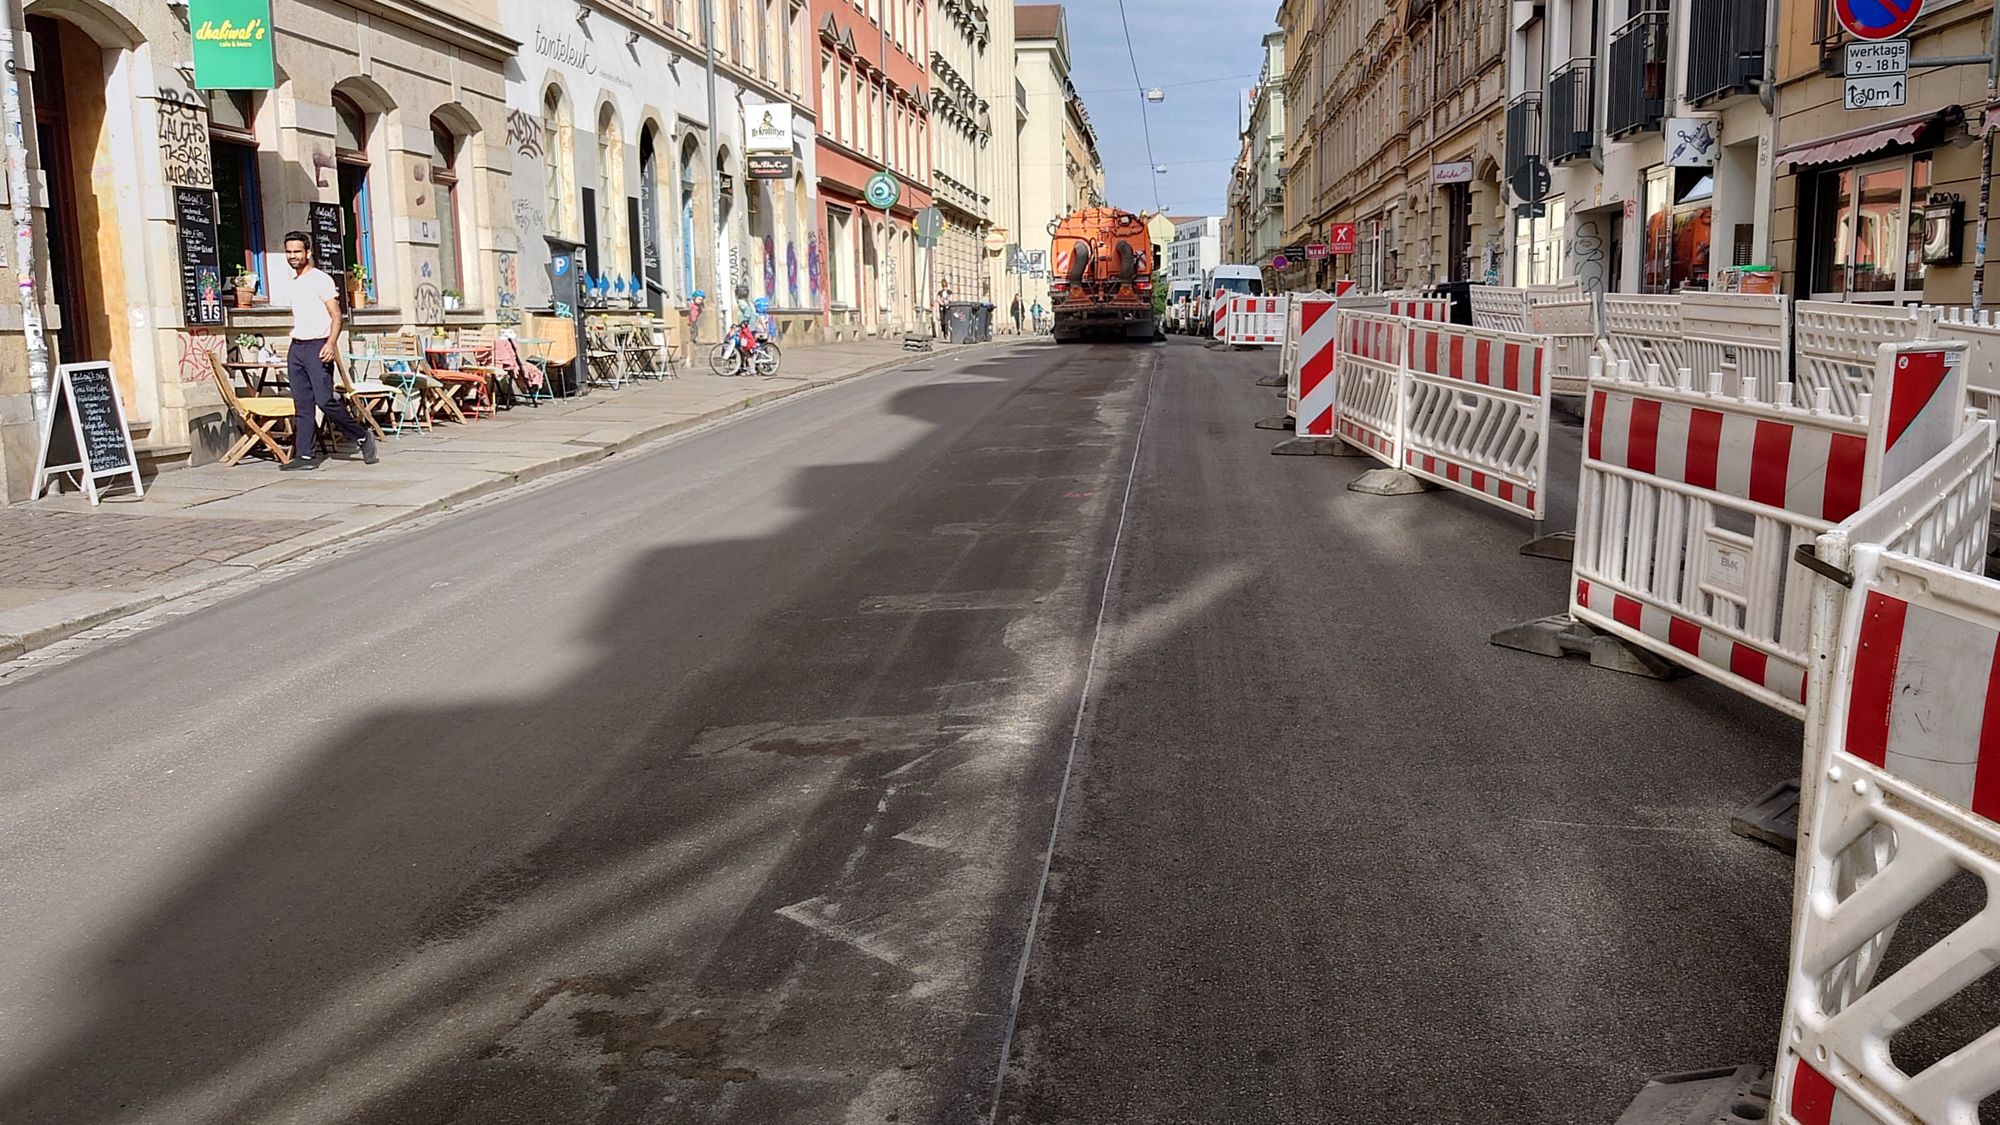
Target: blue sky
[1181, 45]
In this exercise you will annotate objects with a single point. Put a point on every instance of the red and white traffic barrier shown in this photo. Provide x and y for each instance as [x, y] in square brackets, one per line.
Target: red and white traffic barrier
[1691, 504]
[1309, 378]
[1476, 414]
[1220, 315]
[1254, 321]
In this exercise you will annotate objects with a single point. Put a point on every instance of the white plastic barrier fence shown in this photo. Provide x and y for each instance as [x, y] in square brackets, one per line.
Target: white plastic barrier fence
[1645, 331]
[1836, 344]
[1434, 309]
[1692, 505]
[1892, 771]
[1570, 323]
[1219, 312]
[1741, 336]
[1309, 382]
[1981, 332]
[1476, 414]
[1254, 321]
[1499, 307]
[1368, 373]
[1900, 798]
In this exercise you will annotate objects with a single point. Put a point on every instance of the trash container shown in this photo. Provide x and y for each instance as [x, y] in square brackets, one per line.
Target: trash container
[983, 331]
[961, 322]
[1460, 294]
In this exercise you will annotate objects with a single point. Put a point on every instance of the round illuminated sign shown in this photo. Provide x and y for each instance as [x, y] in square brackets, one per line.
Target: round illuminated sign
[1877, 19]
[884, 190]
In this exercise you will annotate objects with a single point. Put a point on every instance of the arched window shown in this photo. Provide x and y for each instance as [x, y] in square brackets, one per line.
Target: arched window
[611, 243]
[555, 162]
[350, 154]
[444, 180]
[690, 173]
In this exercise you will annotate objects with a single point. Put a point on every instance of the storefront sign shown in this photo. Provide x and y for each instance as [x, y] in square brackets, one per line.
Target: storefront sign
[1877, 19]
[1341, 239]
[1693, 142]
[201, 262]
[1455, 172]
[84, 432]
[1318, 252]
[767, 128]
[768, 165]
[325, 223]
[233, 48]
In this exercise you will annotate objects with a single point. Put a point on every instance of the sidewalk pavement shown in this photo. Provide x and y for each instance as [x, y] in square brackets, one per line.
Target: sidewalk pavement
[65, 567]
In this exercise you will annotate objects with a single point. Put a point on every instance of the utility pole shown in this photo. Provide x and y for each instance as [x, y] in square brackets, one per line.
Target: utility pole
[725, 296]
[1986, 157]
[22, 206]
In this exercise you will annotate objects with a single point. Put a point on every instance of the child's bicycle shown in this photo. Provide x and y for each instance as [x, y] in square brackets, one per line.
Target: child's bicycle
[744, 351]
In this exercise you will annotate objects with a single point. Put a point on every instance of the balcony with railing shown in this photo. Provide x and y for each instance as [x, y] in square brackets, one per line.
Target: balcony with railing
[1635, 88]
[1572, 95]
[1725, 48]
[1524, 134]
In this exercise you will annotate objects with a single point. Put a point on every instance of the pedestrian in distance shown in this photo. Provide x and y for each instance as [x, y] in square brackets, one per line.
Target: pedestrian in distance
[1036, 312]
[944, 310]
[316, 323]
[1017, 311]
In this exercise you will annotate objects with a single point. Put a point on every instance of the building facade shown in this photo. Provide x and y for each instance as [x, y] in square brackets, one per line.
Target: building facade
[612, 148]
[1196, 248]
[1265, 176]
[1059, 169]
[1871, 205]
[962, 36]
[874, 103]
[394, 119]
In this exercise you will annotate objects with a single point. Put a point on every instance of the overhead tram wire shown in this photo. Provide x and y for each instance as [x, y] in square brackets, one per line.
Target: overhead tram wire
[1145, 120]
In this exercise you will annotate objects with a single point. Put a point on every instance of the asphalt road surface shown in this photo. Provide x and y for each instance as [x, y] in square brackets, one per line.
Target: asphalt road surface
[717, 784]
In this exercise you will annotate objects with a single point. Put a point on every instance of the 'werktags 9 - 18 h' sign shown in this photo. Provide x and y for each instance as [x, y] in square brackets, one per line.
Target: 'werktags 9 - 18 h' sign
[233, 47]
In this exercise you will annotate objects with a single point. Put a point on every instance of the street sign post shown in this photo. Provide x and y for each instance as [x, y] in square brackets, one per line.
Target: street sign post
[1877, 91]
[883, 190]
[1281, 263]
[1877, 19]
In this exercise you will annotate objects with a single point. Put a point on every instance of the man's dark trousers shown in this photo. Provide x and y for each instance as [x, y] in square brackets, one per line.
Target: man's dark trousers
[312, 387]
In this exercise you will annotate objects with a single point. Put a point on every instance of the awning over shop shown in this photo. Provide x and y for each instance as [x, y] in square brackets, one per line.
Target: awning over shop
[1848, 146]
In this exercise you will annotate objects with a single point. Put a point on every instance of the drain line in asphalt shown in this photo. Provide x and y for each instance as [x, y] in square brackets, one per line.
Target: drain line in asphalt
[1075, 739]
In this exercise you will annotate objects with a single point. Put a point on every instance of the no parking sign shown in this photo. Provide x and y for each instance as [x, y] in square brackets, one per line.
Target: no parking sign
[1877, 19]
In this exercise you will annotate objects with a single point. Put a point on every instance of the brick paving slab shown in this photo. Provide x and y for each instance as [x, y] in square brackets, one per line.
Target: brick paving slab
[77, 551]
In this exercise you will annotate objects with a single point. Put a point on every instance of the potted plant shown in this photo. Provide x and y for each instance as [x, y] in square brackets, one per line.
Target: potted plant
[357, 285]
[453, 300]
[248, 345]
[245, 284]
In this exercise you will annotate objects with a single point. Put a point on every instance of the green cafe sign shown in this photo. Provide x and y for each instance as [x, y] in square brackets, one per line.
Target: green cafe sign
[232, 44]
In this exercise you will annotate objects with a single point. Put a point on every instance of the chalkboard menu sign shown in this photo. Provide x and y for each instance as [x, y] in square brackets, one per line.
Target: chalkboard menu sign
[85, 432]
[201, 261]
[325, 224]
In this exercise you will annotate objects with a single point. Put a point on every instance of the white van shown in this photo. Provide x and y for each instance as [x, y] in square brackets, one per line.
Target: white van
[1225, 280]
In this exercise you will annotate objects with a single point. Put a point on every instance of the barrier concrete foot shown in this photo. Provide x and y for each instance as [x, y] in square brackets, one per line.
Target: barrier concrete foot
[1772, 818]
[1277, 422]
[1561, 547]
[1271, 381]
[1703, 1097]
[1562, 635]
[1309, 447]
[1389, 482]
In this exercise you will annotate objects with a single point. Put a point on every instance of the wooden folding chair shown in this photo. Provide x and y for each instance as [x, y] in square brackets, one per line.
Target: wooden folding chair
[478, 361]
[266, 420]
[371, 402]
[406, 351]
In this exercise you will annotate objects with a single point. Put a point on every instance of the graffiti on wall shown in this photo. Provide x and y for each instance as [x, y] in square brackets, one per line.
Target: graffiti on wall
[524, 133]
[1586, 252]
[792, 272]
[195, 348]
[770, 267]
[184, 140]
[814, 274]
[507, 301]
[426, 299]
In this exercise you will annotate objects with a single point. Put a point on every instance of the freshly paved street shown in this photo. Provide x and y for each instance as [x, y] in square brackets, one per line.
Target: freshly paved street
[716, 783]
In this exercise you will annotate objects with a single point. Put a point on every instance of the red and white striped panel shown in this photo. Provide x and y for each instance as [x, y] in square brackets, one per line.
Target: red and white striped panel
[1318, 321]
[1903, 762]
[1811, 467]
[1437, 309]
[1769, 670]
[1378, 338]
[1475, 355]
[1508, 493]
[1221, 313]
[1255, 321]
[1926, 406]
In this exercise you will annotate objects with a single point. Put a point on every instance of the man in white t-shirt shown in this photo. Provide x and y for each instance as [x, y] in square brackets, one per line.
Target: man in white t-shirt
[315, 338]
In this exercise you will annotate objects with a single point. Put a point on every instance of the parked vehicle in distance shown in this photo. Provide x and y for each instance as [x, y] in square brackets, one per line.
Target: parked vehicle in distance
[1181, 304]
[1102, 285]
[1220, 283]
